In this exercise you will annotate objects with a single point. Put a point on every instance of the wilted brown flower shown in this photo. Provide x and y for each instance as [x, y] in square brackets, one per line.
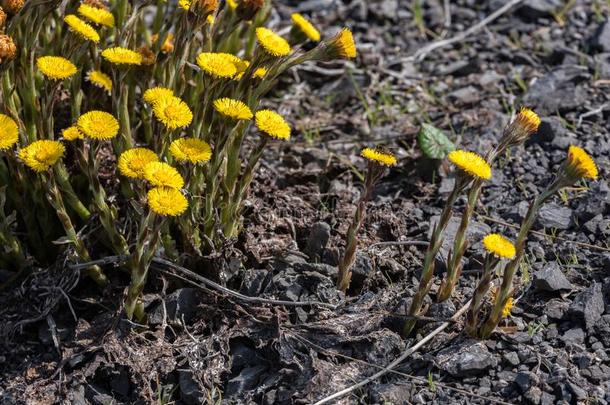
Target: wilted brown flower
[2, 18]
[96, 3]
[12, 6]
[8, 50]
[204, 7]
[148, 57]
[247, 9]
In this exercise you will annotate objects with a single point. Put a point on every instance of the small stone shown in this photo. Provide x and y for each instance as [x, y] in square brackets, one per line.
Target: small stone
[588, 305]
[547, 399]
[465, 95]
[575, 336]
[578, 392]
[466, 359]
[190, 392]
[553, 215]
[525, 380]
[512, 358]
[179, 305]
[556, 309]
[317, 241]
[533, 395]
[551, 278]
[534, 9]
[601, 38]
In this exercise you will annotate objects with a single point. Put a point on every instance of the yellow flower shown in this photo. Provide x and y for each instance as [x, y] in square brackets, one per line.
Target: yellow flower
[234, 109]
[471, 163]
[40, 155]
[216, 65]
[161, 174]
[96, 15]
[9, 132]
[581, 164]
[272, 124]
[271, 42]
[172, 112]
[305, 27]
[98, 125]
[152, 95]
[82, 28]
[190, 149]
[499, 246]
[383, 158]
[528, 120]
[342, 45]
[122, 56]
[72, 133]
[185, 4]
[260, 73]
[507, 307]
[132, 162]
[232, 4]
[168, 44]
[211, 19]
[240, 64]
[167, 201]
[100, 79]
[55, 67]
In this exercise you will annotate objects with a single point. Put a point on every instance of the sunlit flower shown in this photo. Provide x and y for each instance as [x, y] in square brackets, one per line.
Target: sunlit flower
[306, 27]
[167, 201]
[470, 163]
[240, 64]
[100, 79]
[271, 42]
[342, 45]
[210, 19]
[499, 246]
[375, 155]
[152, 95]
[260, 73]
[41, 155]
[72, 133]
[232, 4]
[82, 28]
[581, 164]
[122, 56]
[273, 124]
[528, 120]
[96, 15]
[172, 112]
[190, 149]
[216, 65]
[185, 4]
[9, 132]
[132, 162]
[507, 307]
[161, 174]
[234, 109]
[98, 125]
[168, 44]
[56, 67]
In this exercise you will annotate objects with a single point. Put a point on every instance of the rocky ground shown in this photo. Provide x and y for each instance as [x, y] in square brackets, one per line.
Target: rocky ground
[66, 341]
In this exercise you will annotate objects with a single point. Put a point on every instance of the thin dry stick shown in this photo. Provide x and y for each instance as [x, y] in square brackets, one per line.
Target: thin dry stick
[398, 360]
[423, 52]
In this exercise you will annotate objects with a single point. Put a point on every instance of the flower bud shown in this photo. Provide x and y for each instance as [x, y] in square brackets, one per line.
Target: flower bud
[341, 46]
[580, 165]
[525, 124]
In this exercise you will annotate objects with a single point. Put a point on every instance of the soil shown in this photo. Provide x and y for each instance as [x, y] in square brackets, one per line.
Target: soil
[65, 341]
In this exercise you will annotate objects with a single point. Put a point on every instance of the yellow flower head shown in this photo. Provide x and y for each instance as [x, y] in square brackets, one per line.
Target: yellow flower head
[167, 201]
[507, 307]
[240, 64]
[55, 67]
[190, 150]
[185, 4]
[471, 163]
[9, 132]
[172, 112]
[528, 120]
[168, 44]
[581, 164]
[96, 15]
[233, 109]
[232, 4]
[341, 46]
[161, 174]
[216, 65]
[82, 28]
[306, 27]
[272, 43]
[499, 246]
[154, 94]
[98, 125]
[260, 73]
[100, 79]
[122, 56]
[273, 124]
[383, 158]
[72, 133]
[132, 162]
[41, 155]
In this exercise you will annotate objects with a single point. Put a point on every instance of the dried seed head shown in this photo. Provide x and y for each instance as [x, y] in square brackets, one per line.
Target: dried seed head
[8, 50]
[247, 9]
[204, 7]
[96, 3]
[2, 18]
[12, 6]
[148, 57]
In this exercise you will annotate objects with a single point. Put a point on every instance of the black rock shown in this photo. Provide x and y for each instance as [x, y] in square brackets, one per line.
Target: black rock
[601, 38]
[469, 358]
[190, 392]
[553, 215]
[578, 392]
[512, 358]
[595, 202]
[534, 9]
[549, 128]
[179, 305]
[556, 309]
[247, 379]
[588, 306]
[575, 336]
[558, 90]
[551, 278]
[533, 395]
[317, 241]
[465, 95]
[525, 380]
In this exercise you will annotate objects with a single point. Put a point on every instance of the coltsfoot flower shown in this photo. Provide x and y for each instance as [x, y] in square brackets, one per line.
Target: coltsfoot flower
[167, 201]
[499, 246]
[154, 94]
[528, 120]
[233, 109]
[98, 125]
[580, 164]
[216, 65]
[383, 158]
[72, 133]
[190, 150]
[160, 174]
[100, 79]
[272, 43]
[470, 163]
[41, 155]
[55, 67]
[172, 112]
[341, 46]
[273, 124]
[122, 56]
[168, 44]
[132, 162]
[96, 15]
[81, 28]
[507, 307]
[9, 132]
[306, 27]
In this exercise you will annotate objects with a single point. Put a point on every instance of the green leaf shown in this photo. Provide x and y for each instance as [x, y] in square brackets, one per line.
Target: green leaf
[433, 142]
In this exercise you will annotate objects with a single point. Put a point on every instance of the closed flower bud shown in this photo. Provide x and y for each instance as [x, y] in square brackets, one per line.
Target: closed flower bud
[525, 124]
[247, 9]
[341, 46]
[8, 50]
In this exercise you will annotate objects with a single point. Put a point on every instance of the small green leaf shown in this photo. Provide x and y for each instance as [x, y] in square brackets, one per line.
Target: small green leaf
[433, 142]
